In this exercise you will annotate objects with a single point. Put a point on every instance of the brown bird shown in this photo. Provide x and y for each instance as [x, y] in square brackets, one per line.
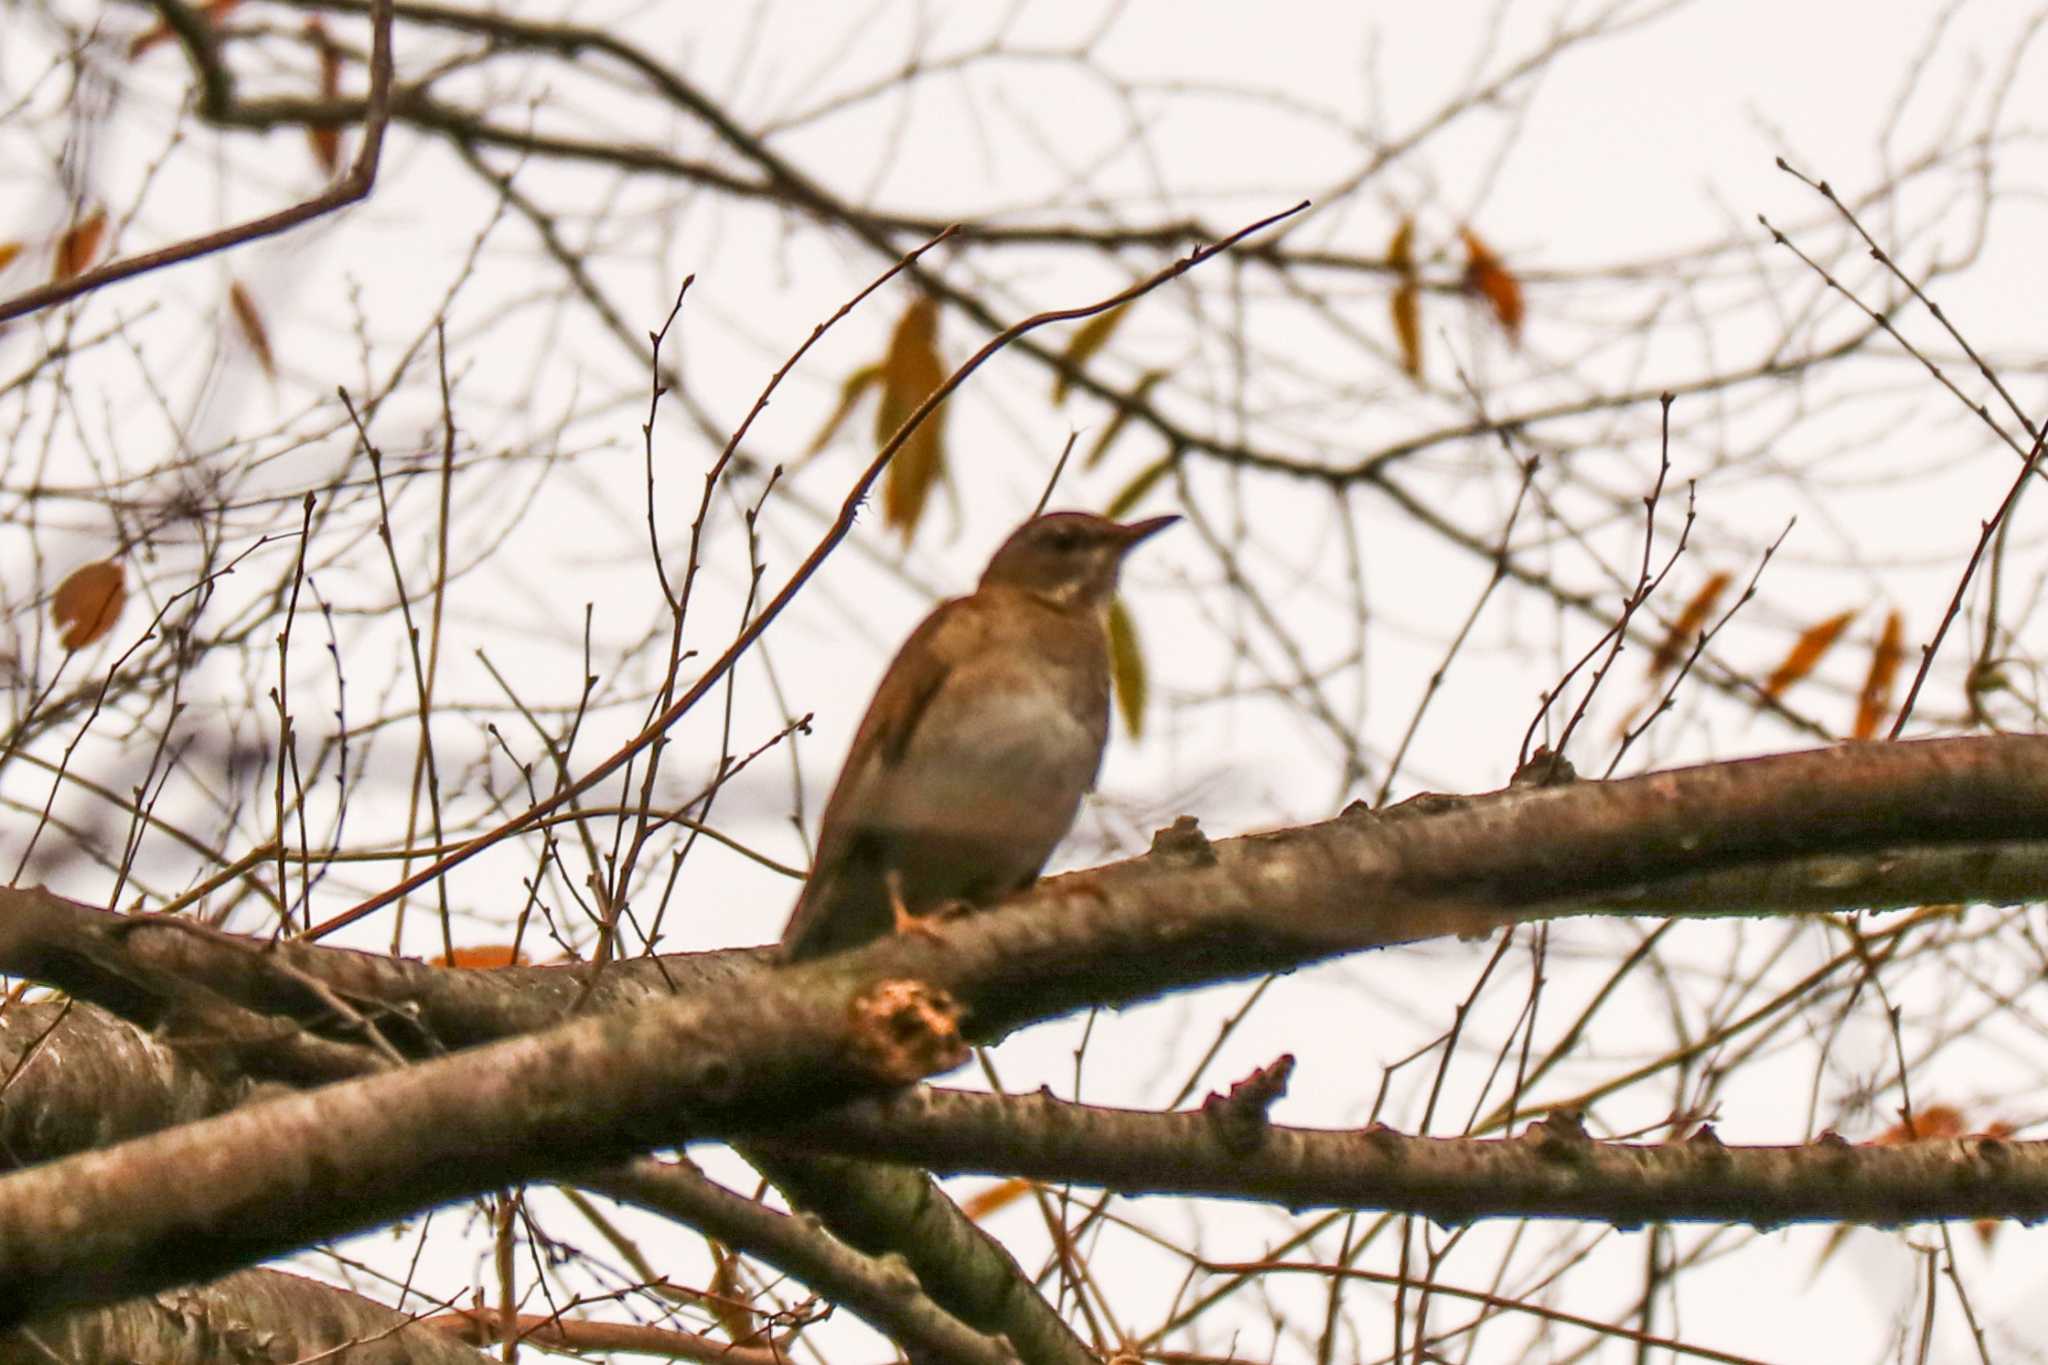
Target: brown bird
[986, 731]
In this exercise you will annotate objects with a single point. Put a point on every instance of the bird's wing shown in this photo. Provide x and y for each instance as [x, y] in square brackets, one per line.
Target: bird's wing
[901, 700]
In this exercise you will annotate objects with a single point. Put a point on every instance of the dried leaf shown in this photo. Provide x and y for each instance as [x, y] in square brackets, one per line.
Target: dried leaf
[86, 604]
[1929, 1121]
[1807, 651]
[325, 140]
[1138, 487]
[857, 383]
[1987, 1228]
[326, 145]
[1876, 702]
[159, 32]
[1127, 669]
[1406, 305]
[1687, 625]
[995, 1198]
[1119, 419]
[8, 251]
[1401, 248]
[251, 323]
[728, 1297]
[79, 246]
[1090, 337]
[1488, 278]
[483, 958]
[910, 372]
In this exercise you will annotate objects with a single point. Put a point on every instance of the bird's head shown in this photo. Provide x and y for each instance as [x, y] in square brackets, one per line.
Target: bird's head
[1069, 559]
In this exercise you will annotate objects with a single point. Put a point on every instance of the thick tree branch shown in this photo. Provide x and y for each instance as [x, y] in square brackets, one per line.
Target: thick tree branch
[1831, 824]
[1553, 1169]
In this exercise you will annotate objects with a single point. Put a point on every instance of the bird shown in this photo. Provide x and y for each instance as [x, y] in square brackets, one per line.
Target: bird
[983, 736]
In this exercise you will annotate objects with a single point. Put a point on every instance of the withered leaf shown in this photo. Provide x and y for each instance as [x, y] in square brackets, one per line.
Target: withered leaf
[88, 602]
[79, 246]
[1806, 653]
[910, 372]
[1091, 336]
[251, 324]
[1127, 669]
[1406, 305]
[1488, 278]
[1875, 703]
[1688, 624]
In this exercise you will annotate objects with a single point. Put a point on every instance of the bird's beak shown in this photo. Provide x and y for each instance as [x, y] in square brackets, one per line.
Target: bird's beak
[1135, 531]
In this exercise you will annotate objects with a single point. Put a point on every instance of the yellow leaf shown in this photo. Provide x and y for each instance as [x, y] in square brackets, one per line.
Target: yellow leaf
[8, 251]
[79, 245]
[1401, 248]
[1119, 419]
[1090, 337]
[1138, 487]
[251, 323]
[1488, 278]
[1876, 701]
[857, 383]
[910, 372]
[1127, 669]
[1406, 305]
[1806, 652]
[86, 604]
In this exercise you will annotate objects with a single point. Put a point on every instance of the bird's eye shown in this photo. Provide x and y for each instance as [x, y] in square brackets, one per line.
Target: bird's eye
[1065, 540]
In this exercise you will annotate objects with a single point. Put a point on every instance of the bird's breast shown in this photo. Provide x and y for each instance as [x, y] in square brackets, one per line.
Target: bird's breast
[1007, 748]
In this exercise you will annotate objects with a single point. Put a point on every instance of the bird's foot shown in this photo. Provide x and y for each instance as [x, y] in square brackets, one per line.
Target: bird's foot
[931, 923]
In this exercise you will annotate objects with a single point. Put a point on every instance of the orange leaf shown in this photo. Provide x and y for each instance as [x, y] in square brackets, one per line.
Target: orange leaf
[995, 1198]
[79, 245]
[1488, 278]
[8, 251]
[910, 371]
[1876, 702]
[1089, 338]
[1406, 304]
[1688, 624]
[1813, 643]
[251, 323]
[86, 604]
[1127, 669]
[483, 958]
[1930, 1121]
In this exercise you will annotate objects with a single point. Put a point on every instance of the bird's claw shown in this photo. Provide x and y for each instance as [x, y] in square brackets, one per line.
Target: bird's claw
[930, 924]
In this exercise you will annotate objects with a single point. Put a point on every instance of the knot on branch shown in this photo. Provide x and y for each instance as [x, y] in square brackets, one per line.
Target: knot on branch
[1239, 1118]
